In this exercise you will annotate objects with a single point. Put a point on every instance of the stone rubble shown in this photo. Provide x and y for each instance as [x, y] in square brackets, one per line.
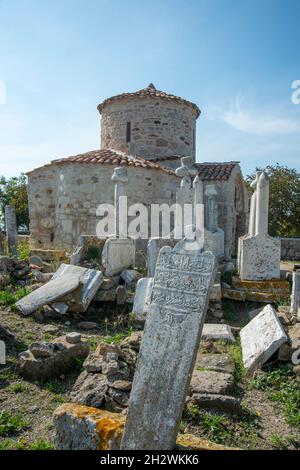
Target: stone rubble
[48, 360]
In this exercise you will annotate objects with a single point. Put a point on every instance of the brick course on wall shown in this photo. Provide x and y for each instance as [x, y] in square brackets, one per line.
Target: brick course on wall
[290, 249]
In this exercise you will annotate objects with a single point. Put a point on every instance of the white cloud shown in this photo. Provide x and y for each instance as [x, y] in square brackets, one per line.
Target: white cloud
[258, 122]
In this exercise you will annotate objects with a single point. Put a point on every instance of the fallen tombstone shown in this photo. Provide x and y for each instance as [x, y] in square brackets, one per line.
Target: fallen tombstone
[216, 331]
[182, 284]
[53, 290]
[261, 338]
[90, 281]
[85, 428]
[46, 360]
[81, 283]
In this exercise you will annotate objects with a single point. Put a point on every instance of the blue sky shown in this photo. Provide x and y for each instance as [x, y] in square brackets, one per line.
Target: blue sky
[236, 59]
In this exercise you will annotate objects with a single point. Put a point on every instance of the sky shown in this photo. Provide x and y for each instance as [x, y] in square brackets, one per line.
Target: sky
[236, 59]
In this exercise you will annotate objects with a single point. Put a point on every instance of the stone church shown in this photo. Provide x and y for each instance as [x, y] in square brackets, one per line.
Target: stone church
[148, 131]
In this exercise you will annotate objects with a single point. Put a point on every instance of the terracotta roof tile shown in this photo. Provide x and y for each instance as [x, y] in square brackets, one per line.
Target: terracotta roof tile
[149, 91]
[215, 171]
[112, 157]
[207, 171]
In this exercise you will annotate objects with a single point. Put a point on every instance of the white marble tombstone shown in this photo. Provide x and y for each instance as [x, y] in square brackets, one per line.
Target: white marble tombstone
[214, 236]
[259, 254]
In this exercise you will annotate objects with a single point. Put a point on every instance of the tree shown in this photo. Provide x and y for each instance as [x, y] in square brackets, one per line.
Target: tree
[14, 191]
[284, 208]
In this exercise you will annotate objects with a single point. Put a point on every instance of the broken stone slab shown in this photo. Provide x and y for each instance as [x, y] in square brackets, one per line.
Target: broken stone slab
[216, 331]
[83, 428]
[223, 403]
[130, 276]
[261, 338]
[234, 294]
[142, 299]
[35, 363]
[209, 381]
[118, 254]
[215, 362]
[89, 282]
[53, 290]
[60, 307]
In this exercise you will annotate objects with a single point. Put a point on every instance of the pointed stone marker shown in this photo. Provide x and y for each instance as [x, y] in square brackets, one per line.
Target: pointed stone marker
[182, 284]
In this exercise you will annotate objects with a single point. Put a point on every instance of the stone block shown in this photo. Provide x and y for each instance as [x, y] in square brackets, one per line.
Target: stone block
[83, 428]
[261, 338]
[49, 360]
[216, 331]
[118, 254]
[234, 294]
[209, 381]
[259, 258]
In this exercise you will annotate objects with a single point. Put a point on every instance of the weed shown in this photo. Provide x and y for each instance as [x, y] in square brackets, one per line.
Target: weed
[23, 444]
[23, 249]
[279, 442]
[18, 388]
[11, 424]
[9, 297]
[281, 387]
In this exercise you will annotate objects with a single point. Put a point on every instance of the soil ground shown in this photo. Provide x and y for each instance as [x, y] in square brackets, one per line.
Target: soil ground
[26, 422]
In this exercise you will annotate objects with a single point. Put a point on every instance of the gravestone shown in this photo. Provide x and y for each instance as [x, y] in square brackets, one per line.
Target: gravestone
[142, 299]
[119, 250]
[11, 229]
[214, 236]
[261, 338]
[295, 298]
[182, 283]
[259, 254]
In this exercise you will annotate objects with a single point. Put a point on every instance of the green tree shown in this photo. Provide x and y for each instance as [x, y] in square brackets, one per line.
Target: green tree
[284, 210]
[14, 191]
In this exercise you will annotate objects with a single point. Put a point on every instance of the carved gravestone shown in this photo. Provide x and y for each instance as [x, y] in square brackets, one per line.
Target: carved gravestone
[182, 283]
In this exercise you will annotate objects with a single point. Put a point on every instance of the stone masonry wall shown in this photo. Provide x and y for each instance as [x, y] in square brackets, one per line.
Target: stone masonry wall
[70, 209]
[290, 249]
[157, 127]
[63, 200]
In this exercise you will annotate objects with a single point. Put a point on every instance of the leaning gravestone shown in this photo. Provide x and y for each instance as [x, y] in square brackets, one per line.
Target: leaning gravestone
[182, 283]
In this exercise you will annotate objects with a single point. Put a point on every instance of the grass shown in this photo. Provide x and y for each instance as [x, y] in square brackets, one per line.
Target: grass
[9, 297]
[18, 388]
[281, 387]
[23, 249]
[223, 429]
[235, 352]
[11, 423]
[279, 442]
[23, 444]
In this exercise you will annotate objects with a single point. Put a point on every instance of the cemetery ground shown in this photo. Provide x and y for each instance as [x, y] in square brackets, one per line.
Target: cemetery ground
[270, 417]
